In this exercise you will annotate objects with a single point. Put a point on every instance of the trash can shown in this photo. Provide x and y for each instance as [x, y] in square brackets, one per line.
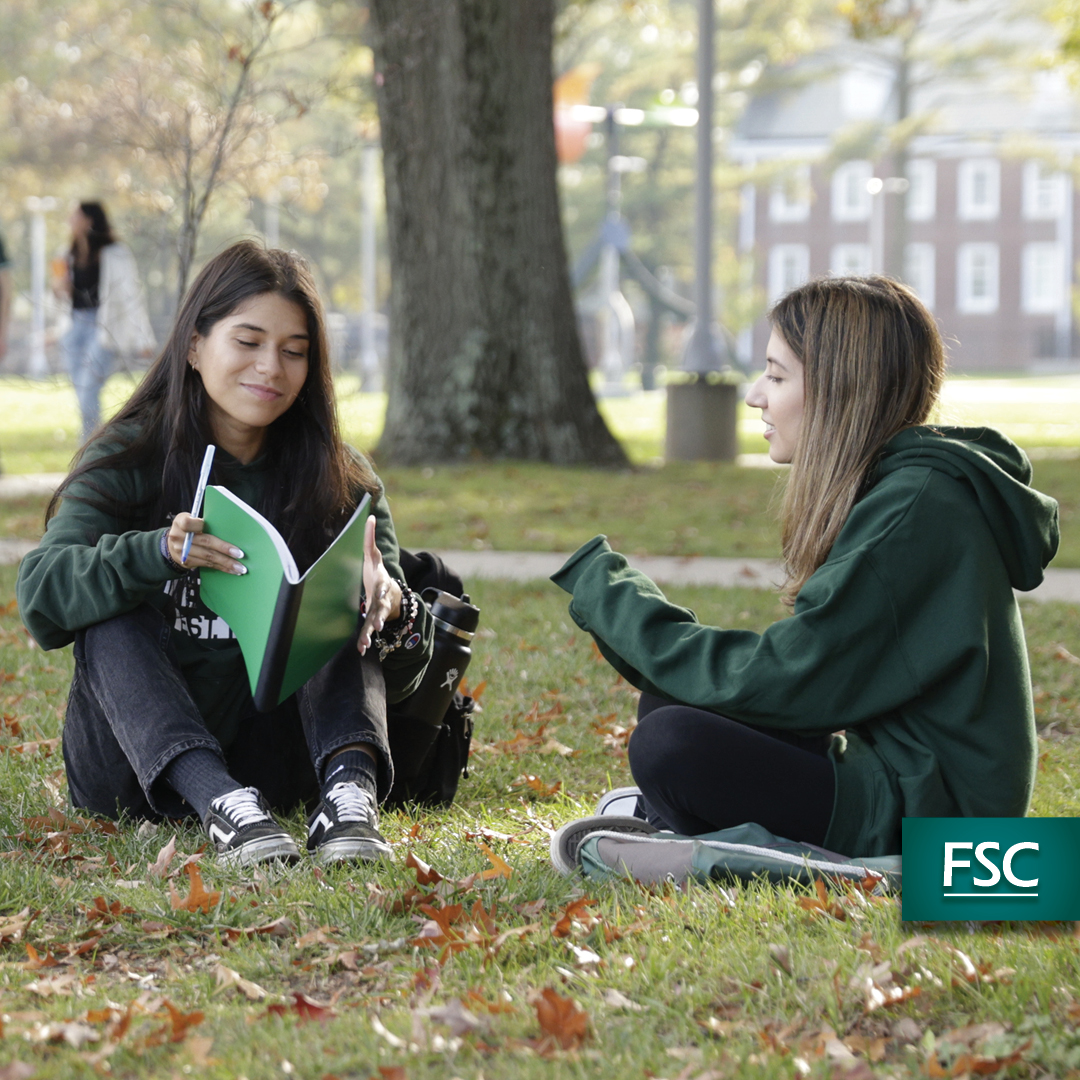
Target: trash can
[701, 420]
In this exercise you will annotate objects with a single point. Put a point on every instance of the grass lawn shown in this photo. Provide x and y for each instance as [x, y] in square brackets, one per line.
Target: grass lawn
[676, 509]
[110, 967]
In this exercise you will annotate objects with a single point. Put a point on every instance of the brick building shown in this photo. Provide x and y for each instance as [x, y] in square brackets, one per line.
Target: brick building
[990, 209]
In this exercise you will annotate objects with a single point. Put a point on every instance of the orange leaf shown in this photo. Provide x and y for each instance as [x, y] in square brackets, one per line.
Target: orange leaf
[562, 1019]
[498, 867]
[534, 783]
[307, 1009]
[198, 899]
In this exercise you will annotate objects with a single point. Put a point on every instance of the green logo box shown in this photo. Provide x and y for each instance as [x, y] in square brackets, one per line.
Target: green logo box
[1008, 869]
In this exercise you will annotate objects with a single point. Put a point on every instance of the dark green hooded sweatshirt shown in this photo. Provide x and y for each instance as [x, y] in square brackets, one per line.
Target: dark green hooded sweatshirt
[89, 568]
[908, 639]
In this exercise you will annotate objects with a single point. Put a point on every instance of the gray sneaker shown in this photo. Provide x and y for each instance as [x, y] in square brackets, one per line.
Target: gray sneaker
[244, 832]
[566, 843]
[620, 802]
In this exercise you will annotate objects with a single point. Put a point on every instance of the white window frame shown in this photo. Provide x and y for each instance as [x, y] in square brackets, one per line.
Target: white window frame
[1042, 278]
[975, 296]
[921, 204]
[1044, 192]
[850, 259]
[971, 203]
[920, 271]
[784, 208]
[781, 282]
[851, 201]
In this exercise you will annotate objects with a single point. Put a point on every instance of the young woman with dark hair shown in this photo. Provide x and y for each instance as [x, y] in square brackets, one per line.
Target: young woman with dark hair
[160, 719]
[108, 313]
[899, 685]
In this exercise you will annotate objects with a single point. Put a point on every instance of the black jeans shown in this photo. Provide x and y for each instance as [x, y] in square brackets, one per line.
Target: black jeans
[130, 713]
[700, 772]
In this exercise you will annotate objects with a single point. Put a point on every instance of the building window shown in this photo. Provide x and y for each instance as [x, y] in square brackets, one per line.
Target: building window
[1042, 274]
[789, 267]
[850, 198]
[850, 259]
[790, 196]
[1044, 192]
[922, 192]
[977, 279]
[978, 189]
[919, 271]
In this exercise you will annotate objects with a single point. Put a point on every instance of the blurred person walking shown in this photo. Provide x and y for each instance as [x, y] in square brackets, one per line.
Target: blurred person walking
[108, 311]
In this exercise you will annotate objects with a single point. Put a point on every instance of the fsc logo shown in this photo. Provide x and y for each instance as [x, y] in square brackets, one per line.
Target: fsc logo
[975, 869]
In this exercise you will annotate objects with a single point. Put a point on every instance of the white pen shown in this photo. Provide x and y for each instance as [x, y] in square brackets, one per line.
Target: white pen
[200, 491]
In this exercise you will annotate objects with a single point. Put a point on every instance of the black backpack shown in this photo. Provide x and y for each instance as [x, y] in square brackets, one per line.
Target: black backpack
[429, 762]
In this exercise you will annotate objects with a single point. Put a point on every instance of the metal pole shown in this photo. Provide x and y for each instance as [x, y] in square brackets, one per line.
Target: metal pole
[702, 353]
[369, 356]
[38, 366]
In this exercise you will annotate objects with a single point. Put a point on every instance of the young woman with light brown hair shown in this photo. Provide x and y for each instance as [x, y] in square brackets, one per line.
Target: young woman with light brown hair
[899, 685]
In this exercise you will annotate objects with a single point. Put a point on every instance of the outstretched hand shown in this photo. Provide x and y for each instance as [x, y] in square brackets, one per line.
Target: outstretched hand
[382, 592]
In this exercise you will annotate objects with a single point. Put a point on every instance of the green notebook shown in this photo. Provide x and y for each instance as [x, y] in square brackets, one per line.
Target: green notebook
[288, 625]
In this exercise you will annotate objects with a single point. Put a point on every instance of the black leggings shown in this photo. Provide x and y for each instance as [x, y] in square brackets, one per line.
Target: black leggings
[699, 772]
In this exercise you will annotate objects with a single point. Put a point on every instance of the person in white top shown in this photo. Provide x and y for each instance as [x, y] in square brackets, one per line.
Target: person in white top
[108, 310]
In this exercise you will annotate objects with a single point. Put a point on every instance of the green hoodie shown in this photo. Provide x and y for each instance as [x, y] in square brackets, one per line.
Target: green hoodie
[88, 569]
[908, 638]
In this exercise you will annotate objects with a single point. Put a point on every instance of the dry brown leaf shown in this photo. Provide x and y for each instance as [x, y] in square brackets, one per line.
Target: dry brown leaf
[55, 986]
[160, 866]
[14, 926]
[561, 1019]
[228, 979]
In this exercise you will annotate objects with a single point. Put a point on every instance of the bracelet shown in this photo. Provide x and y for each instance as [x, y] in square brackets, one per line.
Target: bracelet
[170, 562]
[403, 625]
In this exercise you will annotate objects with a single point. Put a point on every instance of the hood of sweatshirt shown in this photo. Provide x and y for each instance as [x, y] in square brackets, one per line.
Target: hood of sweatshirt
[1024, 521]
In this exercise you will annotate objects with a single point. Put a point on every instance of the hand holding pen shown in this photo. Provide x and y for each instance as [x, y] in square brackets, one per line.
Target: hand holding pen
[210, 552]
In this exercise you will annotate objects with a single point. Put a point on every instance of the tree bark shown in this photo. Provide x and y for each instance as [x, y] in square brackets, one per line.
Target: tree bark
[485, 359]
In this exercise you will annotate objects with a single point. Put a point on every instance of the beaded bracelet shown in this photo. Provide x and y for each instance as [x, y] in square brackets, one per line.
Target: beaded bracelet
[170, 562]
[402, 629]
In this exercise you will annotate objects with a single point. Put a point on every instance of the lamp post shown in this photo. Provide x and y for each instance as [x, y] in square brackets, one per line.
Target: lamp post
[701, 412]
[879, 186]
[38, 365]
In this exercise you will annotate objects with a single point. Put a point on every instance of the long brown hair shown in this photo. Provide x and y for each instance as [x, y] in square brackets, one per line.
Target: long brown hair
[873, 364]
[164, 427]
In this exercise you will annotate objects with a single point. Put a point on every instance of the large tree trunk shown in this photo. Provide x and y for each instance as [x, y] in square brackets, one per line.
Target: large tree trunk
[485, 359]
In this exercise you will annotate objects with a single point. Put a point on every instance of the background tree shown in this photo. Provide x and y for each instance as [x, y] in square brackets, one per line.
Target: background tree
[485, 356]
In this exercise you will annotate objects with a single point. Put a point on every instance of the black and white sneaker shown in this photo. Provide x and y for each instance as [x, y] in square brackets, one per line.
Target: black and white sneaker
[345, 826]
[244, 832]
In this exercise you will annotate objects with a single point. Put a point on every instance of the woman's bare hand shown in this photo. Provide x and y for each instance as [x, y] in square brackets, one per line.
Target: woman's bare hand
[382, 591]
[206, 550]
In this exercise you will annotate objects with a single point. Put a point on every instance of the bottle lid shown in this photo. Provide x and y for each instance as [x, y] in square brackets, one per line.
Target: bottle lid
[455, 611]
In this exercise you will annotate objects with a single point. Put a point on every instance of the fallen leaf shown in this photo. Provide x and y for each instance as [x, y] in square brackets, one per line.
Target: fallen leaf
[425, 875]
[228, 979]
[197, 899]
[537, 786]
[562, 1019]
[14, 926]
[160, 866]
[498, 867]
[615, 1000]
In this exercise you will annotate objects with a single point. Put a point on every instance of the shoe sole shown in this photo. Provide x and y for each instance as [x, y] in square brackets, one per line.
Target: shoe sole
[267, 849]
[349, 849]
[615, 796]
[566, 843]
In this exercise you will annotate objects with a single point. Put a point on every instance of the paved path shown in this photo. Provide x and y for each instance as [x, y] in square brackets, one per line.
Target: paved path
[531, 565]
